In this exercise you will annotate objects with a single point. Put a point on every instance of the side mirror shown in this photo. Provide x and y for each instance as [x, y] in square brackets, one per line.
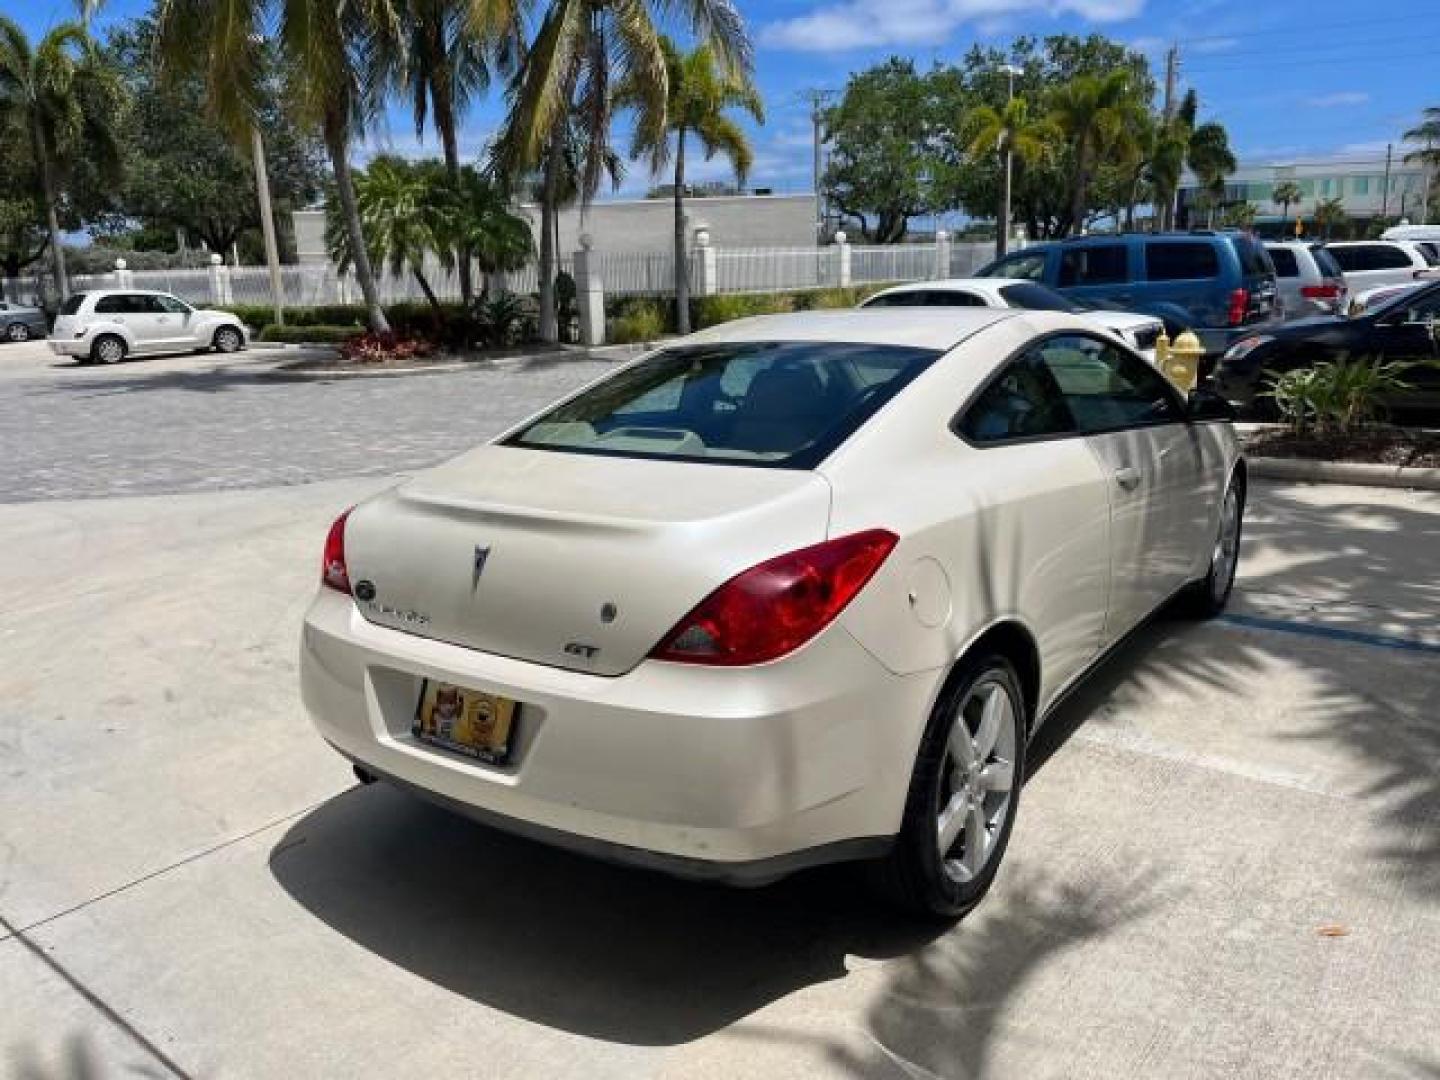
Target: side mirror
[1204, 404]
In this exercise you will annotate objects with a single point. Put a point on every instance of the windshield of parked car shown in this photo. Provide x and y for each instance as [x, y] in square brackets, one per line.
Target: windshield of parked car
[784, 404]
[1038, 298]
[72, 305]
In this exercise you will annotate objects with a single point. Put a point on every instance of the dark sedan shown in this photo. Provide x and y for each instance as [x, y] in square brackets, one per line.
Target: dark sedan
[1403, 329]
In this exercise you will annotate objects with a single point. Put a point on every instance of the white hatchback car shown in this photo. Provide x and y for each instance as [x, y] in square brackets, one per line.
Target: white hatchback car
[107, 325]
[1140, 332]
[1369, 263]
[793, 590]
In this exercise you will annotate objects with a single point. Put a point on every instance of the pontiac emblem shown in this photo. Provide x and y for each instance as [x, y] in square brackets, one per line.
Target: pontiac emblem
[481, 555]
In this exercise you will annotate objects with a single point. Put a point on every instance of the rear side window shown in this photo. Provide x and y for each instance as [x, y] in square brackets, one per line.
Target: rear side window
[1023, 403]
[1430, 251]
[784, 404]
[1370, 257]
[1285, 262]
[72, 305]
[927, 298]
[1098, 264]
[111, 305]
[908, 298]
[1033, 297]
[1180, 261]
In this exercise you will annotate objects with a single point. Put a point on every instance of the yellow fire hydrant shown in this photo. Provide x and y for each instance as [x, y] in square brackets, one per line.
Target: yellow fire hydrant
[1180, 359]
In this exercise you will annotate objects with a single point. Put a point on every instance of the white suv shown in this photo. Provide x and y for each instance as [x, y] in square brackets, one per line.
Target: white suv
[105, 326]
[1368, 263]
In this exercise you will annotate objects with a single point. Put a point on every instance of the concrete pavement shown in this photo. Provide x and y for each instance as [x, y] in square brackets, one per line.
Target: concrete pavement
[191, 882]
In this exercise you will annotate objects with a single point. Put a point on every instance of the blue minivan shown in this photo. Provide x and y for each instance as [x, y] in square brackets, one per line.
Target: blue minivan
[1221, 285]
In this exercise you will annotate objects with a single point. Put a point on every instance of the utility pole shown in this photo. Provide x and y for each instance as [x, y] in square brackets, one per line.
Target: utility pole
[1002, 227]
[817, 99]
[1385, 188]
[267, 221]
[1172, 74]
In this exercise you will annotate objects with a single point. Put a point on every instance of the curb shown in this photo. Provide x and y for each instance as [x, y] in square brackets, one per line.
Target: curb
[1344, 472]
[290, 370]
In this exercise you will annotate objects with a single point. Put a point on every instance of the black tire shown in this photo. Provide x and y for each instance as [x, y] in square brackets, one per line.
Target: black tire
[227, 340]
[914, 875]
[103, 344]
[17, 332]
[1206, 598]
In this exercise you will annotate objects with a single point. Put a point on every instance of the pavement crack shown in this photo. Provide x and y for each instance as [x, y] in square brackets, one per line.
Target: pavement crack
[95, 1001]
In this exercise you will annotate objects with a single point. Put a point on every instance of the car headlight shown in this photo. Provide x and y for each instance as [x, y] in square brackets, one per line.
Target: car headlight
[1245, 346]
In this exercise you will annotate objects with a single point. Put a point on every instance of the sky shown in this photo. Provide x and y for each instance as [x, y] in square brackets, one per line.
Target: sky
[1292, 80]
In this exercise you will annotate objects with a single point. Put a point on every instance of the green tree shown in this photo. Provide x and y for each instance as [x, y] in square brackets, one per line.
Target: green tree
[570, 68]
[1011, 130]
[1427, 135]
[883, 157]
[1329, 216]
[1285, 195]
[450, 50]
[1238, 215]
[1098, 115]
[330, 52]
[65, 99]
[698, 92]
[1211, 160]
[181, 172]
[23, 236]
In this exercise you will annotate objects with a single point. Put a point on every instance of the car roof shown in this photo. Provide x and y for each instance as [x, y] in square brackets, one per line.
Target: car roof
[985, 284]
[126, 292]
[927, 328]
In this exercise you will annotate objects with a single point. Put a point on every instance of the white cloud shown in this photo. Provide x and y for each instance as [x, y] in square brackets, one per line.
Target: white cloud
[1338, 100]
[856, 24]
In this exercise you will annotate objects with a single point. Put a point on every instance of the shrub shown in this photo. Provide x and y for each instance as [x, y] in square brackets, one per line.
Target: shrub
[500, 318]
[713, 310]
[300, 335]
[1337, 395]
[640, 322]
[384, 348]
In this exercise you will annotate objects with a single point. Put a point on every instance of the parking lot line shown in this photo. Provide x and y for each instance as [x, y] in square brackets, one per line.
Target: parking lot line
[1358, 637]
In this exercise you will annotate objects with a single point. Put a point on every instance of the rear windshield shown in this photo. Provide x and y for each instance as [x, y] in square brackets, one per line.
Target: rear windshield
[1254, 259]
[926, 298]
[1326, 262]
[1037, 298]
[780, 404]
[72, 305]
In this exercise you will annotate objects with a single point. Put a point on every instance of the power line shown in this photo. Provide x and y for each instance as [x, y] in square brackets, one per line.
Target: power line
[1312, 61]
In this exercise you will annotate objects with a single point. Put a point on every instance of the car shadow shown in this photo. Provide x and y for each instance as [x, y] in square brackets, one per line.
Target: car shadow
[561, 940]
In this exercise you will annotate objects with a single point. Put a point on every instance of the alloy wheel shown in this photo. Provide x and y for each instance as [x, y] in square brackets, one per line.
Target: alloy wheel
[977, 779]
[1227, 546]
[18, 332]
[227, 340]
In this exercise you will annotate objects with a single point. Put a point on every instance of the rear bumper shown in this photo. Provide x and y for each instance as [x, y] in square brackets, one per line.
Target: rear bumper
[737, 775]
[69, 346]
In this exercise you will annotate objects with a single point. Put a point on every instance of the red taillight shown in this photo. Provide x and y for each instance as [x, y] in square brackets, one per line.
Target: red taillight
[1239, 305]
[1320, 292]
[774, 608]
[333, 571]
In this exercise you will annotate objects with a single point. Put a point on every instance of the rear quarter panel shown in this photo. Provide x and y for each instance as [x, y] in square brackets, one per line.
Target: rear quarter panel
[1019, 532]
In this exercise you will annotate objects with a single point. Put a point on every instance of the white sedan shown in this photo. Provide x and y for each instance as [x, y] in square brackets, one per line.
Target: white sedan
[107, 325]
[793, 590]
[1138, 331]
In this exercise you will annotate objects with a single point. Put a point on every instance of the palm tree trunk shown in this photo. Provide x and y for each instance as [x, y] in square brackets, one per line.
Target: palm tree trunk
[424, 284]
[444, 109]
[336, 144]
[682, 269]
[549, 325]
[52, 218]
[1002, 225]
[1077, 193]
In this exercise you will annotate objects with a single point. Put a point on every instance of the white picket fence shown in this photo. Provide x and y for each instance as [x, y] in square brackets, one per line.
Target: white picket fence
[733, 270]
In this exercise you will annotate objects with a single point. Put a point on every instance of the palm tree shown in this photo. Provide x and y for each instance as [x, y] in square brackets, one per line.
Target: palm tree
[1009, 130]
[568, 70]
[1238, 215]
[1329, 213]
[1205, 148]
[1211, 160]
[1098, 114]
[65, 99]
[332, 54]
[450, 48]
[698, 91]
[483, 225]
[1426, 132]
[1286, 193]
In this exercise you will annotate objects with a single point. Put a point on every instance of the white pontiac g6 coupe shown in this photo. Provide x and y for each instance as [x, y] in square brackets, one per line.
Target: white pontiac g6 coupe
[792, 590]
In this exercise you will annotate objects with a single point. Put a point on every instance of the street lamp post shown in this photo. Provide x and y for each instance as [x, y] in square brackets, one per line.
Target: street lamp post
[1002, 231]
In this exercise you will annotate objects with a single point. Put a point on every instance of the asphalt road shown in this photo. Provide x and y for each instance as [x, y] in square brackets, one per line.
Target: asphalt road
[1226, 863]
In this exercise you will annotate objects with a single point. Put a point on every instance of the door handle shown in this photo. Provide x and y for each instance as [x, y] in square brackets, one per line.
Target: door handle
[1127, 477]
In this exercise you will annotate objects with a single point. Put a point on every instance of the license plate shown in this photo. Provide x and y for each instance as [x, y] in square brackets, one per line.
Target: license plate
[468, 722]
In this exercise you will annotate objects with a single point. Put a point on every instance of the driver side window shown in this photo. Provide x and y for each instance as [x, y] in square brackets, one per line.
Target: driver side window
[1107, 388]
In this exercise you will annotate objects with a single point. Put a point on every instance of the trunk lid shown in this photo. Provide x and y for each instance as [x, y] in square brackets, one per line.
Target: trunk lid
[573, 560]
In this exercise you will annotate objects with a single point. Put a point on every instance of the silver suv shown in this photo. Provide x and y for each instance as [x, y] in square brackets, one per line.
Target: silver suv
[1310, 280]
[106, 326]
